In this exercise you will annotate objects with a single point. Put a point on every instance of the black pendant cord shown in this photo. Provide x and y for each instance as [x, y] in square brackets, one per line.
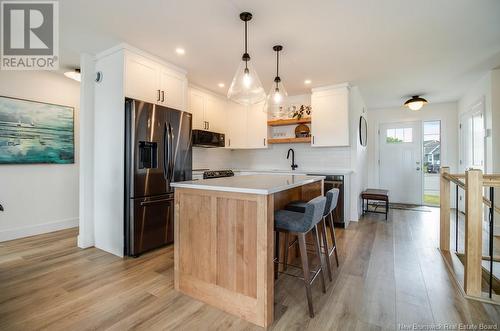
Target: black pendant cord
[277, 79]
[245, 56]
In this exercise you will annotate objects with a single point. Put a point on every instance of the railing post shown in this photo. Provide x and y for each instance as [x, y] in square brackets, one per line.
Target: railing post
[473, 232]
[444, 227]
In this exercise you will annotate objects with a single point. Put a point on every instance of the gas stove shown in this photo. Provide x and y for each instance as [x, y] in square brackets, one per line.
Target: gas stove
[217, 174]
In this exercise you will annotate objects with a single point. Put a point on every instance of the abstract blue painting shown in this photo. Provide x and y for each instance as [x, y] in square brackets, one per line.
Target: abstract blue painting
[35, 132]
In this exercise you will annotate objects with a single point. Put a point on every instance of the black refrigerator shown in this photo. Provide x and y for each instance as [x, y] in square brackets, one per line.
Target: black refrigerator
[158, 151]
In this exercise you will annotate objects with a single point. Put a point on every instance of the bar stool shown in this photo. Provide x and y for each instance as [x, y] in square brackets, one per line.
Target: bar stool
[300, 224]
[332, 197]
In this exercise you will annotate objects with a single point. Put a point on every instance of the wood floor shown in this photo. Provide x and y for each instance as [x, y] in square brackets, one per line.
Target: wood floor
[390, 273]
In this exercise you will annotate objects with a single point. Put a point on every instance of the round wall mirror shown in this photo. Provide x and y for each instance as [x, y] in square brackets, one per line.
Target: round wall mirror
[362, 131]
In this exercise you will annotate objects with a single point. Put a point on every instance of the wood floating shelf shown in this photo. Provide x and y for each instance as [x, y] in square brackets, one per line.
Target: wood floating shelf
[290, 121]
[289, 140]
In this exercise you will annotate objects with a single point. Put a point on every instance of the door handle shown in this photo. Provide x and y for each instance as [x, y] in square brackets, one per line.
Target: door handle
[165, 152]
[148, 203]
[162, 96]
[171, 155]
[158, 98]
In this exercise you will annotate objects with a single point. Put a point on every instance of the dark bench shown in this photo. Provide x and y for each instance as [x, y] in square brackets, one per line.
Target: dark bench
[375, 195]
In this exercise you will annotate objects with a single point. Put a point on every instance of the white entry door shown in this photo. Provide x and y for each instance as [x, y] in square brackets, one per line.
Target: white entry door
[401, 161]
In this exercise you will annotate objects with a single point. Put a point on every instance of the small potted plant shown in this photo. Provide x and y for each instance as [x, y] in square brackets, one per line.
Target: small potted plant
[301, 112]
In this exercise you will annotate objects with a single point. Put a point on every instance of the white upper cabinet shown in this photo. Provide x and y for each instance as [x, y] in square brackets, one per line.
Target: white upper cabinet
[151, 81]
[196, 104]
[247, 127]
[172, 85]
[256, 126]
[330, 116]
[141, 79]
[215, 114]
[209, 111]
[237, 126]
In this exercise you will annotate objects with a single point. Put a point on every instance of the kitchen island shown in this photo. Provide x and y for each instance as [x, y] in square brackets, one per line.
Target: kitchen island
[224, 241]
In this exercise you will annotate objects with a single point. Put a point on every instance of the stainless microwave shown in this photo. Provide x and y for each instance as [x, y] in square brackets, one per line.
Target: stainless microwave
[202, 138]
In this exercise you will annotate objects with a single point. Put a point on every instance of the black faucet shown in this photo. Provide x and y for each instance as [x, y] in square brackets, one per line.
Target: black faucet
[293, 158]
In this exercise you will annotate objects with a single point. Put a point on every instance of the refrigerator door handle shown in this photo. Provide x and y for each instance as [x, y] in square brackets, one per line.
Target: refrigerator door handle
[171, 150]
[165, 152]
[152, 202]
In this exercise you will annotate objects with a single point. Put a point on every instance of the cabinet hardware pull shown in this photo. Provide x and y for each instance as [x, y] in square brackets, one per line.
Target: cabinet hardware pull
[229, 143]
[208, 125]
[313, 140]
[162, 96]
[158, 95]
[264, 141]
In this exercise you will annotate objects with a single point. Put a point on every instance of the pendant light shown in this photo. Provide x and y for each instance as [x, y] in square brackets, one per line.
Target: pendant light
[415, 103]
[277, 95]
[246, 88]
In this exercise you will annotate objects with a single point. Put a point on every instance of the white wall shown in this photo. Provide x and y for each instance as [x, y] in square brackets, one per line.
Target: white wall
[445, 112]
[359, 154]
[211, 158]
[39, 198]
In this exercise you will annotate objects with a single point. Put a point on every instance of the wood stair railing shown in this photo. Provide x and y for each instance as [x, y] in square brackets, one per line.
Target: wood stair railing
[473, 183]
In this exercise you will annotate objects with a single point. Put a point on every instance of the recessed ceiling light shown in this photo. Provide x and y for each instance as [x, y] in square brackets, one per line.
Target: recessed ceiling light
[74, 74]
[180, 51]
[307, 81]
[221, 85]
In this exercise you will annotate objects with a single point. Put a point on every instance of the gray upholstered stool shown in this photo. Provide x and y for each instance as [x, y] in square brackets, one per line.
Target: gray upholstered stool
[332, 197]
[300, 224]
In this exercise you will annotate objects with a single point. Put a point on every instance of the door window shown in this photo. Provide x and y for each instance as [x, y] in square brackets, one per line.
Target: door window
[432, 163]
[399, 135]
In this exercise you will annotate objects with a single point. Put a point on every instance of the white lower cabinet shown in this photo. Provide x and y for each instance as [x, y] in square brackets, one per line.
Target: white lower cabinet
[330, 116]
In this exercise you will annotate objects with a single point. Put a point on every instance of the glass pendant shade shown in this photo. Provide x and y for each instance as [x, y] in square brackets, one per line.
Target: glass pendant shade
[246, 87]
[276, 100]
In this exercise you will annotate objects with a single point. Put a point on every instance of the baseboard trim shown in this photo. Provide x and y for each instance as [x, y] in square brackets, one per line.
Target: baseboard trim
[33, 230]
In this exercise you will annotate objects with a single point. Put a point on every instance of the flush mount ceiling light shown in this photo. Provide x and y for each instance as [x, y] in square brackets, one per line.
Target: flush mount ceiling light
[415, 103]
[307, 81]
[246, 88]
[74, 74]
[180, 51]
[277, 94]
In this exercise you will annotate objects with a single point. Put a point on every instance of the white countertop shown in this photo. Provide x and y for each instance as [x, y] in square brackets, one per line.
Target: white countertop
[255, 184]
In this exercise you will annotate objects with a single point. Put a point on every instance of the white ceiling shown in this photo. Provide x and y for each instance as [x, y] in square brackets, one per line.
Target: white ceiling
[389, 48]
